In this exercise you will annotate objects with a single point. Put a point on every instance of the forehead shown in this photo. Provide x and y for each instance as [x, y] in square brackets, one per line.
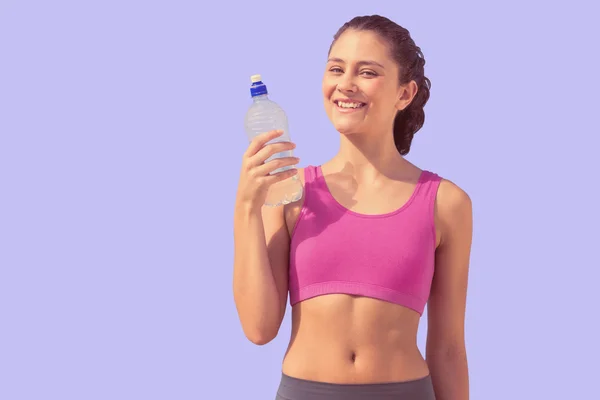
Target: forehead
[360, 45]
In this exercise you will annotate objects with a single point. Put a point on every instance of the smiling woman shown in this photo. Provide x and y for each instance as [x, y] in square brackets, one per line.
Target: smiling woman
[374, 240]
[388, 61]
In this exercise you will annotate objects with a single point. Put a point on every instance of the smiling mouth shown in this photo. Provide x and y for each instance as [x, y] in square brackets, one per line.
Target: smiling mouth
[349, 105]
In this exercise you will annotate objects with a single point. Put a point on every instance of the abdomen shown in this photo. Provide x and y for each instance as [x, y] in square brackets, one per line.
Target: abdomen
[347, 339]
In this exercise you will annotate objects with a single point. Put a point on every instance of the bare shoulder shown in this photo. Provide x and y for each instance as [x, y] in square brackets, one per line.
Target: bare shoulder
[452, 197]
[454, 207]
[452, 200]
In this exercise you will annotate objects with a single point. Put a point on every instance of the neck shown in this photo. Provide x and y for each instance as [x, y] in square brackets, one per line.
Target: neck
[364, 157]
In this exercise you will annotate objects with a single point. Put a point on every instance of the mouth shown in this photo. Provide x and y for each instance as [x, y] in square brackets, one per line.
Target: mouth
[348, 105]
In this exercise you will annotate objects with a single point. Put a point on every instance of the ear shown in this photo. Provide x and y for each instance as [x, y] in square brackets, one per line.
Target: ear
[406, 95]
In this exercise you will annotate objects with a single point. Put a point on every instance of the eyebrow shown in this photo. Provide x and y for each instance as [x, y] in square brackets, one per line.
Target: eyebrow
[365, 62]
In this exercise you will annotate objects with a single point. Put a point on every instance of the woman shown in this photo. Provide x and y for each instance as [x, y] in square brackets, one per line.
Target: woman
[372, 240]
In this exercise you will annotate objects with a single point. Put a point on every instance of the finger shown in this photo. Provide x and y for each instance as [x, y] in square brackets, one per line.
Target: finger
[260, 140]
[281, 176]
[271, 149]
[272, 165]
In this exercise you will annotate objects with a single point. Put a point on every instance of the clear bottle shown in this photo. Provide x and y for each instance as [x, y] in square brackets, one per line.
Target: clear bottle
[265, 115]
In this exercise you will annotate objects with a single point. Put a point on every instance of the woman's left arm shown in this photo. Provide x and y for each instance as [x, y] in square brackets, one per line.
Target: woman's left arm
[446, 353]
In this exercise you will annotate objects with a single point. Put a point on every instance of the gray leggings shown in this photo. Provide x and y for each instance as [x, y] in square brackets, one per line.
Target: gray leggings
[299, 389]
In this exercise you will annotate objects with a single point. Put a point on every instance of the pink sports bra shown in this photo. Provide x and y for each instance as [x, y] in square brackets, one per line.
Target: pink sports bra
[388, 256]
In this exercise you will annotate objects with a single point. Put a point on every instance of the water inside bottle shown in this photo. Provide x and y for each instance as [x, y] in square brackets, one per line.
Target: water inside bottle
[284, 192]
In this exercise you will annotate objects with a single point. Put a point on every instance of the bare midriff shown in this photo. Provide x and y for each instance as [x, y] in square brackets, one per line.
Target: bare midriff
[340, 338]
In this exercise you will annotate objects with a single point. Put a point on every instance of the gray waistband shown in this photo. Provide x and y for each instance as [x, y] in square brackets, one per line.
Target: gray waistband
[291, 388]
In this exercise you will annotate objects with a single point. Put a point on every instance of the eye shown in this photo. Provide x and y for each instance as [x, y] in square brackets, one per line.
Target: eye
[369, 73]
[335, 70]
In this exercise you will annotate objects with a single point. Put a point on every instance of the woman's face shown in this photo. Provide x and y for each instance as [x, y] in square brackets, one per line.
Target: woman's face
[360, 86]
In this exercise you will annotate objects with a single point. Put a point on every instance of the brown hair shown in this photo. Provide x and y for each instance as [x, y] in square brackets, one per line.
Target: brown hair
[411, 64]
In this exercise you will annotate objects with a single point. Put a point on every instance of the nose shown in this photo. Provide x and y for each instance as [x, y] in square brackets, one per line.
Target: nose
[346, 83]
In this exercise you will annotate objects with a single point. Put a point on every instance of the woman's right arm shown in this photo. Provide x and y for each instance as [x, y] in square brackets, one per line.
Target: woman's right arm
[261, 243]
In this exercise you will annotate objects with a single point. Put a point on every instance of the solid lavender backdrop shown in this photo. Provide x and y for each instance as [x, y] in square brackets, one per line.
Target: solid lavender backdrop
[121, 135]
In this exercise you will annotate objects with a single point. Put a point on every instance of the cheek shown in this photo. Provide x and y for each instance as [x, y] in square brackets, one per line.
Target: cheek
[375, 88]
[328, 86]
[383, 99]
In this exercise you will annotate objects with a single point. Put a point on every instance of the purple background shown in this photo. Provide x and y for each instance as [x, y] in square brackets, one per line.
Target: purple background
[121, 136]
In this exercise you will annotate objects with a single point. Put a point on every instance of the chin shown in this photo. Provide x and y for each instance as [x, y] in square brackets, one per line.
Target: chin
[346, 127]
[346, 124]
[345, 130]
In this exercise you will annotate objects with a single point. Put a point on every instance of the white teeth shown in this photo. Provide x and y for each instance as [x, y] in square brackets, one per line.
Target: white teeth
[349, 105]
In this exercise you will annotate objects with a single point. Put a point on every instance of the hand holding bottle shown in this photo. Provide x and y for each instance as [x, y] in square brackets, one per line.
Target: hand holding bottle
[265, 115]
[257, 175]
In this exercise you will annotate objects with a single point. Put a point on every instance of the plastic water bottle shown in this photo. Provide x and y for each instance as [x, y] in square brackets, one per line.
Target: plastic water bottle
[265, 115]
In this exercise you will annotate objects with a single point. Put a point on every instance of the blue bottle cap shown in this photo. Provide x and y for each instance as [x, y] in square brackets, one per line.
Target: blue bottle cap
[258, 88]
